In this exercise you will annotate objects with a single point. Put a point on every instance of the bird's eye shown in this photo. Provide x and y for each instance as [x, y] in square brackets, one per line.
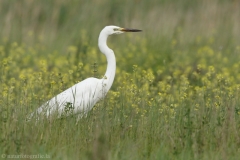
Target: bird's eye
[115, 29]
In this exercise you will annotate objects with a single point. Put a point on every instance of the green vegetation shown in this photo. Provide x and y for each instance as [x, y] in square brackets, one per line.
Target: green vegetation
[176, 91]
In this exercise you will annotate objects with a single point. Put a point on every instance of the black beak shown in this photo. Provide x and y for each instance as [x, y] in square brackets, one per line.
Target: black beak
[130, 30]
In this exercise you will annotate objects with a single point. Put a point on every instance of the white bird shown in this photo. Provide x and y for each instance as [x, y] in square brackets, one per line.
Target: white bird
[80, 98]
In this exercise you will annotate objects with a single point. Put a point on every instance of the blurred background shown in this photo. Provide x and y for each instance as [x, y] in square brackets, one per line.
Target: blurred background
[176, 90]
[179, 37]
[176, 35]
[56, 25]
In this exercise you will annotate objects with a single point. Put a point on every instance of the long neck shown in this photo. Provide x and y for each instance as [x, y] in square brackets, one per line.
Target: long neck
[111, 60]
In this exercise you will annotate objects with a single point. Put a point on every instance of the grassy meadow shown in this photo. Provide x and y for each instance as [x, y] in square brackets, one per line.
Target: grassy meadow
[176, 90]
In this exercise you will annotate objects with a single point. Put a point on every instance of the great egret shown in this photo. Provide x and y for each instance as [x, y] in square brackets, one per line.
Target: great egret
[80, 98]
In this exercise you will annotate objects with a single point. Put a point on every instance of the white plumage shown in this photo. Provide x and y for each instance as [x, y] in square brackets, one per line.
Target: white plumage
[80, 98]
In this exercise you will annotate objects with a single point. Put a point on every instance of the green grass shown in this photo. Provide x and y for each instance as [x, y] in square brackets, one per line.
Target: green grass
[175, 94]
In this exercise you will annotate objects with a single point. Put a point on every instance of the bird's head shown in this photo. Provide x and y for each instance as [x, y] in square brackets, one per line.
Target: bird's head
[118, 30]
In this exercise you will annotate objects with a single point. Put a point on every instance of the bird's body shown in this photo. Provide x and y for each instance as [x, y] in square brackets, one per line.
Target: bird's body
[80, 98]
